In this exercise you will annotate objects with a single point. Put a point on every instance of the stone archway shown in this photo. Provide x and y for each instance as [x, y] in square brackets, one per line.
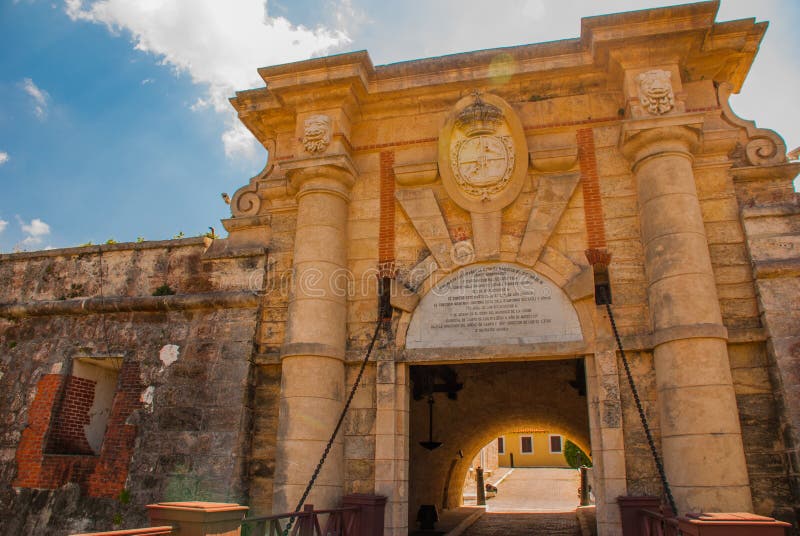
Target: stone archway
[495, 397]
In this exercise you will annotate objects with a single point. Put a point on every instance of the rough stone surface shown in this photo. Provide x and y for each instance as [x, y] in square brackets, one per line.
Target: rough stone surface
[190, 440]
[703, 273]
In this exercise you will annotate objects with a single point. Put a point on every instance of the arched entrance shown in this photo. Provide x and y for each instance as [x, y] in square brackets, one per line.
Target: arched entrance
[492, 399]
[526, 469]
[499, 346]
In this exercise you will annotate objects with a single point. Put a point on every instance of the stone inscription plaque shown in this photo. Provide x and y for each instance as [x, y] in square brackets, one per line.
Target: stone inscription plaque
[491, 305]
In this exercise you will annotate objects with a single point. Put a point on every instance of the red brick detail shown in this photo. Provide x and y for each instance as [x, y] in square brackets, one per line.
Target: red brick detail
[590, 184]
[108, 480]
[67, 431]
[387, 214]
[99, 476]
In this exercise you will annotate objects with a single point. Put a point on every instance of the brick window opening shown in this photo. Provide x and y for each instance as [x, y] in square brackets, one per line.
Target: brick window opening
[81, 415]
[526, 444]
[556, 446]
[501, 445]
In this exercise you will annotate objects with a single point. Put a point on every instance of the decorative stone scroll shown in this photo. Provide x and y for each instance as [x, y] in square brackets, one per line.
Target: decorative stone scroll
[493, 304]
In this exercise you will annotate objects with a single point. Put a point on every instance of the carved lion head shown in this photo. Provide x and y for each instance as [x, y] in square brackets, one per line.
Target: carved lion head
[317, 133]
[655, 91]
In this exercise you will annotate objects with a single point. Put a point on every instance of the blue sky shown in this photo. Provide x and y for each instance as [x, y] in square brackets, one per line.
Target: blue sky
[113, 114]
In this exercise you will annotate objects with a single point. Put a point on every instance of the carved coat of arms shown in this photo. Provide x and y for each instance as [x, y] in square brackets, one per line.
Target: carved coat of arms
[481, 160]
[483, 154]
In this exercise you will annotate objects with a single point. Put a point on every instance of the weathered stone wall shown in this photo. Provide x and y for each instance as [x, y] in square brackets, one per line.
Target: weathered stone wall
[179, 427]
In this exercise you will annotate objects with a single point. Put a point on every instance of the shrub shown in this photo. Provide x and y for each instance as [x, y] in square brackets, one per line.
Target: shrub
[575, 456]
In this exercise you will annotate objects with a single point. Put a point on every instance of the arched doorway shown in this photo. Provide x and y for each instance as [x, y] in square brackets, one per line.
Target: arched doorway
[484, 401]
[526, 469]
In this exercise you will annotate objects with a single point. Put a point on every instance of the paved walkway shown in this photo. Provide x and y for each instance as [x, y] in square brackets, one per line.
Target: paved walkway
[534, 524]
[541, 489]
[532, 501]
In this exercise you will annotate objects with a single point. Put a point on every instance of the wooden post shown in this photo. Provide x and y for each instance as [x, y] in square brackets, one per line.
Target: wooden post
[481, 486]
[629, 512]
[371, 516]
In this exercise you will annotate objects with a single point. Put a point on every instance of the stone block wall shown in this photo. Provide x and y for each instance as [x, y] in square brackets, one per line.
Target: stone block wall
[179, 423]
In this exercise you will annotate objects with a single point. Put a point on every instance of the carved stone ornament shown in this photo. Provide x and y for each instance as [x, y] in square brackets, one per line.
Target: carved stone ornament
[317, 133]
[655, 91]
[482, 161]
[483, 153]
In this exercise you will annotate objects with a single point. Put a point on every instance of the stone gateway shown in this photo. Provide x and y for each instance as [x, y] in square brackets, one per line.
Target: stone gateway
[487, 219]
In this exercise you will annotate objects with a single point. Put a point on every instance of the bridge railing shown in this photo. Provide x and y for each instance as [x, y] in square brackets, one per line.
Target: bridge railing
[335, 522]
[643, 516]
[359, 515]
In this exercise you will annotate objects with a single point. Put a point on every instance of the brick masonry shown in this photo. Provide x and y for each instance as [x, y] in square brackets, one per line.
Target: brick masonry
[590, 184]
[51, 460]
[387, 209]
[69, 417]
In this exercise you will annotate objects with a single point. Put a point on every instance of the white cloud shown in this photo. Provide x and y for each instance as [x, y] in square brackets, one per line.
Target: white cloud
[3, 157]
[3, 225]
[219, 44]
[35, 231]
[239, 142]
[40, 98]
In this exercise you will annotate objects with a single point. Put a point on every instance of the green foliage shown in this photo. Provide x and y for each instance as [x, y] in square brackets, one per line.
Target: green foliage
[139, 239]
[117, 519]
[179, 235]
[12, 344]
[124, 496]
[85, 244]
[163, 290]
[111, 241]
[575, 456]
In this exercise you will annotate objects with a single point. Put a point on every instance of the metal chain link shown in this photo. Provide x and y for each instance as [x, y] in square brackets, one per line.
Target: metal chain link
[338, 426]
[653, 451]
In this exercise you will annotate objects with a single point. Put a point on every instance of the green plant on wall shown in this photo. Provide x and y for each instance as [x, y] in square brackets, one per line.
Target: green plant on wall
[163, 290]
[575, 456]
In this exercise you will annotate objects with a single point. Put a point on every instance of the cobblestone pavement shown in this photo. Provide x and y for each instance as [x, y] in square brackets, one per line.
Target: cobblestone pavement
[544, 524]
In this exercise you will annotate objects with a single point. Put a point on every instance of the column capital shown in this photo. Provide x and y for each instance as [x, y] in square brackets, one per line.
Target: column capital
[643, 138]
[334, 174]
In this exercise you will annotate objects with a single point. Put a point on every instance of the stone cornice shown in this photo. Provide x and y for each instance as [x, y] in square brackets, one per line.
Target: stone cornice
[123, 304]
[719, 51]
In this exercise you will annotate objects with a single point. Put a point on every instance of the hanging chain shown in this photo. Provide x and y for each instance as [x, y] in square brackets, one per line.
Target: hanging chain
[653, 451]
[338, 426]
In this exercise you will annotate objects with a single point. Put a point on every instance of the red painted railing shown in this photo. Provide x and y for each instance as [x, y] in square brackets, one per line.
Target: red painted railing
[657, 524]
[642, 516]
[149, 531]
[309, 522]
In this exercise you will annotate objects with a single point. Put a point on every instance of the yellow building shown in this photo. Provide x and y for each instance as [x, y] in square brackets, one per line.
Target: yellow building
[531, 448]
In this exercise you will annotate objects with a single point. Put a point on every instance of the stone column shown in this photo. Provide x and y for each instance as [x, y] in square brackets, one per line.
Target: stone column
[700, 434]
[312, 357]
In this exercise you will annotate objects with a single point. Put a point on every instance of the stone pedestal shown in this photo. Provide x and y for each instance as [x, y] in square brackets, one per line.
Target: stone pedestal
[700, 433]
[198, 518]
[312, 357]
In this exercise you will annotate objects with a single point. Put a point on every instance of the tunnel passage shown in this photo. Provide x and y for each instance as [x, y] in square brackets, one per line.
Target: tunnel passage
[490, 399]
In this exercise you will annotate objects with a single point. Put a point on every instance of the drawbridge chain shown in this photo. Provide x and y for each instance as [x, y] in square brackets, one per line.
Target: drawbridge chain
[645, 425]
